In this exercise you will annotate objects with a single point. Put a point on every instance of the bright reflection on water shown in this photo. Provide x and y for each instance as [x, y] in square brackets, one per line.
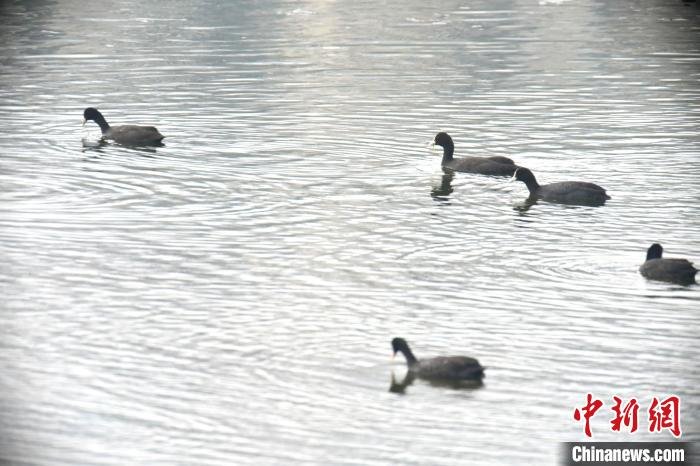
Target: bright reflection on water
[230, 298]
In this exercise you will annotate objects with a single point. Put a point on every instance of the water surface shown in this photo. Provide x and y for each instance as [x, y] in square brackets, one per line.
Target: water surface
[230, 298]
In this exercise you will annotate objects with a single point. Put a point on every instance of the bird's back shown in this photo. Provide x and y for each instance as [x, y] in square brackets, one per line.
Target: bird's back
[673, 270]
[495, 166]
[449, 368]
[134, 134]
[578, 192]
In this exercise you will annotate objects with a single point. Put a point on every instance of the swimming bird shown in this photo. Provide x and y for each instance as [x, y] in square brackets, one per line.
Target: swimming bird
[566, 192]
[679, 271]
[495, 166]
[443, 368]
[131, 135]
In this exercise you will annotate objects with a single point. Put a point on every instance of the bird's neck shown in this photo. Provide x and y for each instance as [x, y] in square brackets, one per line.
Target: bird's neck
[532, 185]
[652, 254]
[447, 151]
[104, 126]
[410, 358]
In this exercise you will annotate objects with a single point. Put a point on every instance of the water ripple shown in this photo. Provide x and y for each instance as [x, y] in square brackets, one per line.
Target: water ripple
[232, 294]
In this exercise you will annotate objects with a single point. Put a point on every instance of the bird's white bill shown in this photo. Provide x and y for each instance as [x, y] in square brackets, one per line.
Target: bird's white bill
[515, 173]
[84, 121]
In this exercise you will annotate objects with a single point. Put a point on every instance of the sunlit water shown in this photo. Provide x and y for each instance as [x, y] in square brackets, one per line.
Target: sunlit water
[230, 298]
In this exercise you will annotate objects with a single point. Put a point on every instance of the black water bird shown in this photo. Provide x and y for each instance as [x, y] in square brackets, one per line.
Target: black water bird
[655, 267]
[131, 135]
[495, 166]
[442, 368]
[565, 192]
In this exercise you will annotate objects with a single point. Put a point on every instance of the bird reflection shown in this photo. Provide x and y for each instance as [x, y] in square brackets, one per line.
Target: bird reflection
[400, 387]
[524, 206]
[89, 145]
[99, 145]
[442, 192]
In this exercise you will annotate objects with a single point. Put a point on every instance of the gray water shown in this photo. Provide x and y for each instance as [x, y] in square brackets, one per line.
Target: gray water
[230, 298]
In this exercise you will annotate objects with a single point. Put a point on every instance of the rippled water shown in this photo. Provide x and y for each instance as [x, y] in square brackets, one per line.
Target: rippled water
[229, 298]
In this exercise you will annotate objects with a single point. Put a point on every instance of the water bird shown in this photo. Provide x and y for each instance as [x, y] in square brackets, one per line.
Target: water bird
[565, 192]
[655, 267]
[131, 135]
[495, 166]
[442, 368]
